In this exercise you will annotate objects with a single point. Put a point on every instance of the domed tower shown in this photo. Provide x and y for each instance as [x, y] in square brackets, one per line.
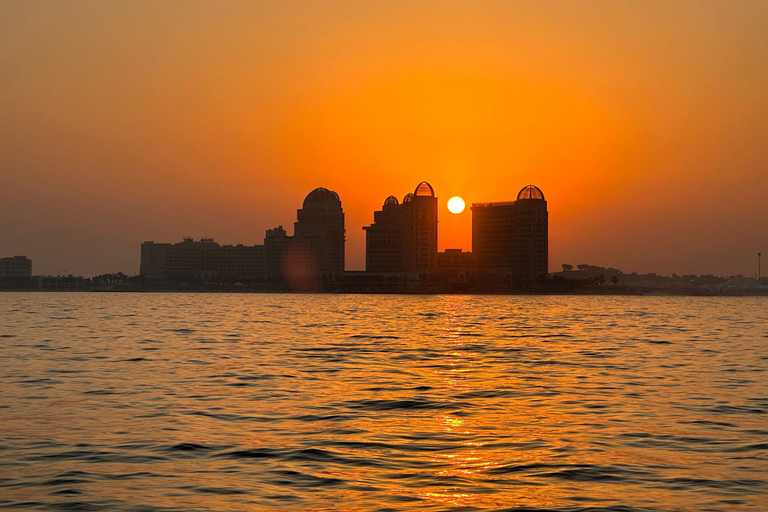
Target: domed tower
[384, 238]
[531, 234]
[420, 241]
[403, 236]
[319, 228]
[513, 235]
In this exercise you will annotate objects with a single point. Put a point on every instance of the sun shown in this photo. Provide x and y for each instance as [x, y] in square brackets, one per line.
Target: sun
[456, 205]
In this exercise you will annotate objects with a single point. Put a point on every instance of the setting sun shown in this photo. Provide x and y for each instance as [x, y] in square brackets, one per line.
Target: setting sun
[456, 205]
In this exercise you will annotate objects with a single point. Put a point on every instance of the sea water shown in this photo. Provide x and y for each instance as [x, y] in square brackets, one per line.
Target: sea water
[235, 402]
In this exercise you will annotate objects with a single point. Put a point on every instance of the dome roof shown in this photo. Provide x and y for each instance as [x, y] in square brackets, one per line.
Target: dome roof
[391, 200]
[530, 192]
[322, 197]
[424, 189]
[408, 198]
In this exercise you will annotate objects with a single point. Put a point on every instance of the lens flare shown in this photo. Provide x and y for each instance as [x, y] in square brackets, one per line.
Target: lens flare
[456, 205]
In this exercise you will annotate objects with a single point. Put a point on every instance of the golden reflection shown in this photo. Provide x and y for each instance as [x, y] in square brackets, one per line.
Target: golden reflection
[480, 404]
[456, 374]
[510, 408]
[455, 499]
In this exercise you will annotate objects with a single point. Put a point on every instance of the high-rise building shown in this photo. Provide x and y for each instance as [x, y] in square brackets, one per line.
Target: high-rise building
[403, 236]
[275, 242]
[513, 235]
[384, 239]
[319, 231]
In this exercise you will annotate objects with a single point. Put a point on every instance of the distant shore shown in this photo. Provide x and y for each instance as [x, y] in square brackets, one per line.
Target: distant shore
[636, 293]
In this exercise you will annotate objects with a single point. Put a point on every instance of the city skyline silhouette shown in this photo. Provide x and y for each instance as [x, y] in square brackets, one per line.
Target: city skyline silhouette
[635, 118]
[383, 255]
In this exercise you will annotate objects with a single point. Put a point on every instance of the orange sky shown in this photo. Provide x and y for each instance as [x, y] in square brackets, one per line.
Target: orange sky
[644, 123]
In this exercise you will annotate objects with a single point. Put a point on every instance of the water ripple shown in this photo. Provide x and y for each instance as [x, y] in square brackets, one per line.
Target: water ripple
[218, 402]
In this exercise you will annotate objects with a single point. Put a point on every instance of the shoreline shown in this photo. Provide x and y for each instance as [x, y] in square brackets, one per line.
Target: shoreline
[611, 293]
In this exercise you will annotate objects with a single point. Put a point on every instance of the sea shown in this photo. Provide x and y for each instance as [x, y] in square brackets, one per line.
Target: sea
[239, 402]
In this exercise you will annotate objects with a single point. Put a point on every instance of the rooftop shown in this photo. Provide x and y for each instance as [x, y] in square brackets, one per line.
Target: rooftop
[530, 192]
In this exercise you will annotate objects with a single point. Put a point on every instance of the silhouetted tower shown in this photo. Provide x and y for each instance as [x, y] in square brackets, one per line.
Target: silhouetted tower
[384, 238]
[403, 236]
[319, 230]
[276, 241]
[420, 242]
[531, 232]
[513, 234]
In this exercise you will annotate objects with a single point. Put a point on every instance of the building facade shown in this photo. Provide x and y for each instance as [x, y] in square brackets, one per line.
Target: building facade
[513, 235]
[403, 236]
[237, 262]
[186, 258]
[16, 266]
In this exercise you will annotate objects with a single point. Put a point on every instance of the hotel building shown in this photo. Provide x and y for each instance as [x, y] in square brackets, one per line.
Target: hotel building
[403, 236]
[513, 235]
[319, 229]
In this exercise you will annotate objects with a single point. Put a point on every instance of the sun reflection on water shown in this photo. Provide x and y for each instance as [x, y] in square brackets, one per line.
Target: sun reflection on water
[373, 402]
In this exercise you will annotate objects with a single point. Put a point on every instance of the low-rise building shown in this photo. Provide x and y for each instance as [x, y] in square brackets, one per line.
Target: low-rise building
[16, 266]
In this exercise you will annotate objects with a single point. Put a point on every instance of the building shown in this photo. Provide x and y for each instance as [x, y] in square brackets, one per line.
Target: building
[186, 258]
[16, 266]
[403, 236]
[276, 241]
[384, 238]
[513, 235]
[319, 231]
[316, 248]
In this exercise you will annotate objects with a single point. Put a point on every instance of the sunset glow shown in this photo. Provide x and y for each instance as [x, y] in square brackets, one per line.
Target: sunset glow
[384, 255]
[130, 131]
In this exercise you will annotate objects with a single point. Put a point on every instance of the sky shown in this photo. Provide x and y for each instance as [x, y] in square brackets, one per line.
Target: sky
[644, 123]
